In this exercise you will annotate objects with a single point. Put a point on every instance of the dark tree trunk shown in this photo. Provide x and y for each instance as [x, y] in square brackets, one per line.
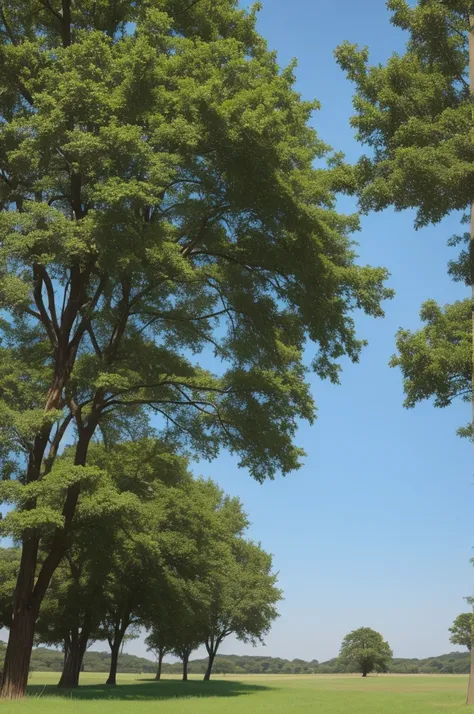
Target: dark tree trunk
[18, 654]
[28, 594]
[22, 628]
[212, 645]
[158, 671]
[185, 666]
[364, 674]
[70, 674]
[114, 650]
[210, 663]
[73, 661]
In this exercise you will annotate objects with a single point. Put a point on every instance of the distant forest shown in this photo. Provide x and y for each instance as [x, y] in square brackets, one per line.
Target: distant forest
[47, 660]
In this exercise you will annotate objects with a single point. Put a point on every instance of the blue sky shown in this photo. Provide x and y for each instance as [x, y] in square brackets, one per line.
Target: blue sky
[376, 529]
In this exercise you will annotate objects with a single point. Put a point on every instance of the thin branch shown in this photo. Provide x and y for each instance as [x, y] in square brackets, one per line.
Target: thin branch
[59, 197]
[188, 248]
[33, 313]
[56, 443]
[50, 291]
[46, 4]
[181, 12]
[95, 344]
[7, 26]
[37, 293]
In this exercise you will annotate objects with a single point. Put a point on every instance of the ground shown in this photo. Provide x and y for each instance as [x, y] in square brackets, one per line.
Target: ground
[252, 694]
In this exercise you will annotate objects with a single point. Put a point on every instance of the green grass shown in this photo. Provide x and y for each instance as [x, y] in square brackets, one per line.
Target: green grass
[257, 694]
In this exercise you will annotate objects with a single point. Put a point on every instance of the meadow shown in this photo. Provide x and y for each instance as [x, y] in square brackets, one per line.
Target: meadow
[255, 694]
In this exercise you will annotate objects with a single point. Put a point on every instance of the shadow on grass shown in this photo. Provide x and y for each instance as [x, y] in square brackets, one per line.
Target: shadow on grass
[150, 690]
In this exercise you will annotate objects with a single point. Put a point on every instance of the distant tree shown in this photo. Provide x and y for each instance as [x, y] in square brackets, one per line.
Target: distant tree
[461, 631]
[160, 641]
[366, 651]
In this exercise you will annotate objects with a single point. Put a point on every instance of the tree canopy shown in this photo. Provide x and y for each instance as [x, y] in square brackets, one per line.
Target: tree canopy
[366, 651]
[461, 630]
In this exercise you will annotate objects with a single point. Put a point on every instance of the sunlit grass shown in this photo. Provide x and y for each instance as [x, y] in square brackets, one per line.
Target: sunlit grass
[260, 694]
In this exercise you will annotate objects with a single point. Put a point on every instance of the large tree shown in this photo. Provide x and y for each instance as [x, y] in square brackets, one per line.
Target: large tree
[415, 115]
[364, 650]
[159, 201]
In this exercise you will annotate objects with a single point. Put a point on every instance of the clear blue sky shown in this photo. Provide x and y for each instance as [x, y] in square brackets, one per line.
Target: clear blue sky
[376, 529]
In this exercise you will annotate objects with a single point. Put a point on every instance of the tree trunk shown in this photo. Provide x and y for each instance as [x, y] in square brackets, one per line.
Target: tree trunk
[18, 654]
[114, 649]
[29, 595]
[73, 660]
[70, 674]
[158, 671]
[185, 666]
[212, 655]
[364, 674]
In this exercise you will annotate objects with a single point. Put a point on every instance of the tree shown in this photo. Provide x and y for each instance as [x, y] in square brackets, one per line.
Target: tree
[366, 651]
[194, 538]
[436, 360]
[415, 114]
[71, 612]
[243, 599]
[159, 641]
[461, 631]
[9, 566]
[158, 198]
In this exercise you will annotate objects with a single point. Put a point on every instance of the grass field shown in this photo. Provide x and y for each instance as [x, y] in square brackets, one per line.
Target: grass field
[257, 694]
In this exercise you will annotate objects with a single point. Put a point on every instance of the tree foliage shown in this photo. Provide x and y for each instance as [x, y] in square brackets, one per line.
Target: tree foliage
[365, 650]
[461, 631]
[436, 360]
[9, 566]
[414, 113]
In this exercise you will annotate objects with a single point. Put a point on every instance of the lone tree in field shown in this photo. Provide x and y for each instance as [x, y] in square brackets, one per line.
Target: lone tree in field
[415, 115]
[365, 651]
[159, 200]
[461, 631]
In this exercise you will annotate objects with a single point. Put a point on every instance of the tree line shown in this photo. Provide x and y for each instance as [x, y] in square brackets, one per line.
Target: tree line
[48, 660]
[167, 553]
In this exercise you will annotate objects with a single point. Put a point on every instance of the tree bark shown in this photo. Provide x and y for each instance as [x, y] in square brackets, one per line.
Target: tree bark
[73, 660]
[185, 666]
[160, 662]
[114, 650]
[212, 655]
[18, 654]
